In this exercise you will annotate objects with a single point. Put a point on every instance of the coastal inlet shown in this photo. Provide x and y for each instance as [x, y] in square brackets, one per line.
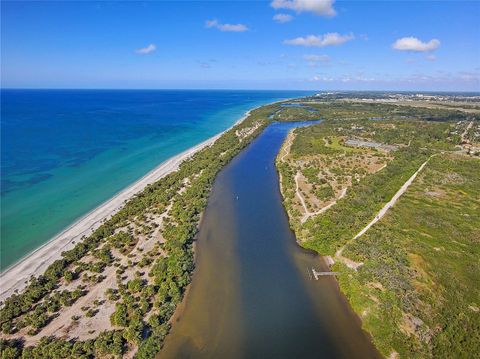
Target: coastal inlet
[253, 294]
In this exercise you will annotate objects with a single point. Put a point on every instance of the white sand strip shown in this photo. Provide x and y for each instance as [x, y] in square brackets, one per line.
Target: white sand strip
[16, 277]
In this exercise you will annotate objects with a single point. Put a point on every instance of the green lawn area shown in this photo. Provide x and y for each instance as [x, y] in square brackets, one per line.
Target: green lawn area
[335, 143]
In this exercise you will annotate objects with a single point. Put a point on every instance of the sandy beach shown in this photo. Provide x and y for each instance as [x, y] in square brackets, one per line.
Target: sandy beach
[15, 278]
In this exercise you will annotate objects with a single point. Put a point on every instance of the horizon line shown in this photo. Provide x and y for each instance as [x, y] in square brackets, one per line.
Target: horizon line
[227, 89]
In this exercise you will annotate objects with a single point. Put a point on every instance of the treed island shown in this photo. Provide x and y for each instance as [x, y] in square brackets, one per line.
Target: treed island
[386, 188]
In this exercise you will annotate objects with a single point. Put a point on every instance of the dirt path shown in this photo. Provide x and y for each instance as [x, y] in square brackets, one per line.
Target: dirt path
[300, 197]
[355, 265]
[466, 131]
[347, 261]
[286, 152]
[288, 145]
[394, 200]
[308, 213]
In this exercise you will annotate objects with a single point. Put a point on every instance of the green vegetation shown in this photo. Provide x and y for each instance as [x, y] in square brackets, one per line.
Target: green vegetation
[363, 200]
[324, 192]
[350, 110]
[108, 344]
[420, 283]
[417, 287]
[122, 241]
[296, 113]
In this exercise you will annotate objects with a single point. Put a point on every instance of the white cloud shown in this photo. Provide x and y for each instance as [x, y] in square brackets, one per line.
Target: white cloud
[473, 76]
[146, 50]
[226, 27]
[436, 81]
[329, 39]
[282, 18]
[413, 44]
[348, 78]
[317, 58]
[318, 7]
[431, 58]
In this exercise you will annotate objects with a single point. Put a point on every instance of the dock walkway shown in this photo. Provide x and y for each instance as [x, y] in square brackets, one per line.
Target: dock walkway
[316, 274]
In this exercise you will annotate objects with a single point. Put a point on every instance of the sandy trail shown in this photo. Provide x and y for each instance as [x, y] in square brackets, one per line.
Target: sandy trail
[286, 152]
[394, 200]
[300, 197]
[308, 213]
[355, 265]
[286, 148]
[15, 278]
[347, 261]
[469, 126]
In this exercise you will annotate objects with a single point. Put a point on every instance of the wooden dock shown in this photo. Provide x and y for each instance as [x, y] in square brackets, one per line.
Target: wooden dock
[316, 274]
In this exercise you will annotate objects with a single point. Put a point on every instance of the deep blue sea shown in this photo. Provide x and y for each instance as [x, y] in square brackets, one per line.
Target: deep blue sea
[64, 152]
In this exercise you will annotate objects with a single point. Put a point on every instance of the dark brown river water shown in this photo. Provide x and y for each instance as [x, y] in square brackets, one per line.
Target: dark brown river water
[252, 294]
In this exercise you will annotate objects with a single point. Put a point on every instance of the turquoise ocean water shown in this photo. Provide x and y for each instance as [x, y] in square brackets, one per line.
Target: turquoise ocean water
[64, 152]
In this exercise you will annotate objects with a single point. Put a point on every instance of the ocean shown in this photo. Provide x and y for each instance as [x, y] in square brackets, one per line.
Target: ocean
[64, 152]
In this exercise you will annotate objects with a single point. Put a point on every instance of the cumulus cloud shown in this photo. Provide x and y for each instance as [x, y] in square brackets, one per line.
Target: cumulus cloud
[329, 39]
[318, 7]
[146, 50]
[282, 18]
[414, 44]
[226, 27]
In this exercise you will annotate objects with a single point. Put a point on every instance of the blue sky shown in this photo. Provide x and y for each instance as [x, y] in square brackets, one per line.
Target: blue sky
[311, 44]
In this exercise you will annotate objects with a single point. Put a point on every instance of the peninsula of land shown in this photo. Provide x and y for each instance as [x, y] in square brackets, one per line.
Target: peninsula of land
[387, 188]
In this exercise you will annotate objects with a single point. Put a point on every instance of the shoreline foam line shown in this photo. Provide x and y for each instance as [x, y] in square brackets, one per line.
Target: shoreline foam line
[16, 277]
